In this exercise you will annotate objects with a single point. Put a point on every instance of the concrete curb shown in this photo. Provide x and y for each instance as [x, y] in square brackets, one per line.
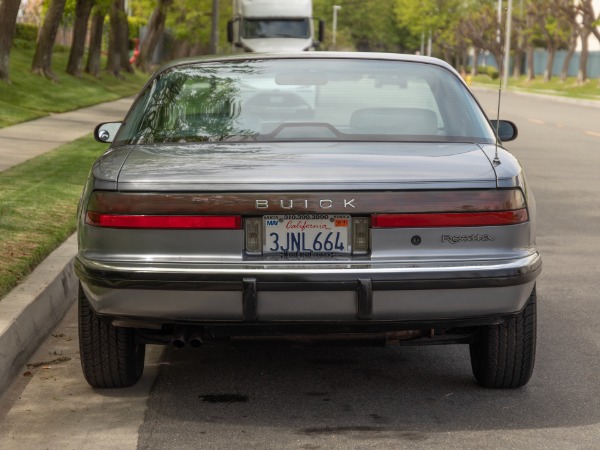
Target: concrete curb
[31, 311]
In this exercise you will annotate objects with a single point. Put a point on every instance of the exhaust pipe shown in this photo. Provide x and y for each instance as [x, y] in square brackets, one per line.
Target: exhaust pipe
[195, 339]
[178, 338]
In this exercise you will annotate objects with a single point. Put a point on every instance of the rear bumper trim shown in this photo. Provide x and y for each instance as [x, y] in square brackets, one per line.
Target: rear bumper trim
[361, 278]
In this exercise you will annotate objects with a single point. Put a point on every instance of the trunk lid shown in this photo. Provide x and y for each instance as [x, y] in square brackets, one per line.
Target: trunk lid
[305, 166]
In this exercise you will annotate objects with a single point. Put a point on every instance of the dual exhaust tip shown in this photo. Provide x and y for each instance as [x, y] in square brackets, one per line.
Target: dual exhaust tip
[182, 337]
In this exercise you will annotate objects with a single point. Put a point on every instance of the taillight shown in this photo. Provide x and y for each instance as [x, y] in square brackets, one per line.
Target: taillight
[112, 210]
[491, 208]
[164, 222]
[475, 219]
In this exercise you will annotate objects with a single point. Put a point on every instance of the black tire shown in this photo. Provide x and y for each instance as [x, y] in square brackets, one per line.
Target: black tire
[502, 356]
[111, 357]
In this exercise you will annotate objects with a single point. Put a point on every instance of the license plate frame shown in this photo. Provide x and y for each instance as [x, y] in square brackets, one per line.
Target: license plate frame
[307, 236]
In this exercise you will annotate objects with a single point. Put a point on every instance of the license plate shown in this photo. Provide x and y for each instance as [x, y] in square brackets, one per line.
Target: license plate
[307, 236]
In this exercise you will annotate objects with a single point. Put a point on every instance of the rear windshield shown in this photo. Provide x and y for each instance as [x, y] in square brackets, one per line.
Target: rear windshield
[305, 100]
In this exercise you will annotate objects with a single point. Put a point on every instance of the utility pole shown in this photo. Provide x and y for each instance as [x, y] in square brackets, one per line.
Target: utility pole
[336, 8]
[507, 45]
[429, 44]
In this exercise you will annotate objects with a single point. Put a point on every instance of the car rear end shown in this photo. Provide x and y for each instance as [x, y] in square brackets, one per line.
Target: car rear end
[305, 232]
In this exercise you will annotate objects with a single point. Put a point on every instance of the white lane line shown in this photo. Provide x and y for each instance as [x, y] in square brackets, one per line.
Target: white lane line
[592, 133]
[540, 122]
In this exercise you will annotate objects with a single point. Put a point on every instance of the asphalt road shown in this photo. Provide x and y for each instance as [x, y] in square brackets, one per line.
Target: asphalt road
[224, 396]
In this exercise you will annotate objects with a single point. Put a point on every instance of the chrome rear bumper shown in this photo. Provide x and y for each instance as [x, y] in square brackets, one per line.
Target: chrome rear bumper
[361, 291]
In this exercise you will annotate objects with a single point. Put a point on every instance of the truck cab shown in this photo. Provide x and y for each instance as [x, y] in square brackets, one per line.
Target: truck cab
[274, 26]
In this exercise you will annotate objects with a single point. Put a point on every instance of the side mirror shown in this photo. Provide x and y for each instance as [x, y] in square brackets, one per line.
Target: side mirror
[106, 132]
[505, 129]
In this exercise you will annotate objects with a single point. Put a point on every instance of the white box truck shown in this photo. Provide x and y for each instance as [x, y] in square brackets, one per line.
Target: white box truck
[274, 26]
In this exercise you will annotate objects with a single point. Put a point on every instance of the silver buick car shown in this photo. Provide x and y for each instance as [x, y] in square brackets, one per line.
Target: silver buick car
[314, 197]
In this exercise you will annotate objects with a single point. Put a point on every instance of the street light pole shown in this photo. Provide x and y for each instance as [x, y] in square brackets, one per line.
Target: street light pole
[336, 8]
[498, 34]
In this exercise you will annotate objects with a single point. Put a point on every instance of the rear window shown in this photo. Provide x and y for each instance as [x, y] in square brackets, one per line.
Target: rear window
[304, 100]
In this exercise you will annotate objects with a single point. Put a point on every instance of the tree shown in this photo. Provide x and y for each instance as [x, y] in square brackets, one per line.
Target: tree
[118, 39]
[564, 72]
[518, 43]
[438, 18]
[96, 31]
[80, 27]
[190, 22]
[583, 20]
[588, 26]
[153, 33]
[42, 58]
[479, 24]
[124, 38]
[8, 19]
[372, 25]
[113, 60]
[555, 29]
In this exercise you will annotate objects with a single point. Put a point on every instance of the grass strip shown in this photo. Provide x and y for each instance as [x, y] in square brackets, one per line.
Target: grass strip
[38, 205]
[30, 96]
[568, 88]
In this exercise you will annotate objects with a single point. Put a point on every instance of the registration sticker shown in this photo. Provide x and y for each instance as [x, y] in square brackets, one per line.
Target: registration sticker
[307, 236]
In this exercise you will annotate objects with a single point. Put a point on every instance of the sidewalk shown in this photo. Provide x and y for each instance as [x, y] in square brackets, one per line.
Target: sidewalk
[30, 312]
[21, 142]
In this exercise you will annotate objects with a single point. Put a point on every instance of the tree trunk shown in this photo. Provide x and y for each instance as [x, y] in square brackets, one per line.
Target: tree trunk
[475, 61]
[518, 67]
[124, 38]
[153, 33]
[83, 8]
[93, 61]
[549, 64]
[42, 59]
[181, 49]
[113, 63]
[197, 49]
[530, 64]
[498, 57]
[596, 31]
[583, 57]
[8, 19]
[564, 73]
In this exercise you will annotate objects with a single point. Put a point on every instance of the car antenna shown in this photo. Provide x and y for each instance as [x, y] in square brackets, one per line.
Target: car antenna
[496, 161]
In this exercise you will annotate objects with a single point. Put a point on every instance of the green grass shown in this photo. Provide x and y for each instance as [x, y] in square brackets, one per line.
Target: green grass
[38, 202]
[568, 88]
[30, 96]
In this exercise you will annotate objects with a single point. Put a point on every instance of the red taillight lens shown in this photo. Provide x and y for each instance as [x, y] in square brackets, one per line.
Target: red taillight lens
[155, 211]
[474, 219]
[164, 222]
[476, 208]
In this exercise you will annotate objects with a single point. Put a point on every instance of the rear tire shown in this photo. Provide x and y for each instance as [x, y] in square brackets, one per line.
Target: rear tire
[111, 357]
[503, 355]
